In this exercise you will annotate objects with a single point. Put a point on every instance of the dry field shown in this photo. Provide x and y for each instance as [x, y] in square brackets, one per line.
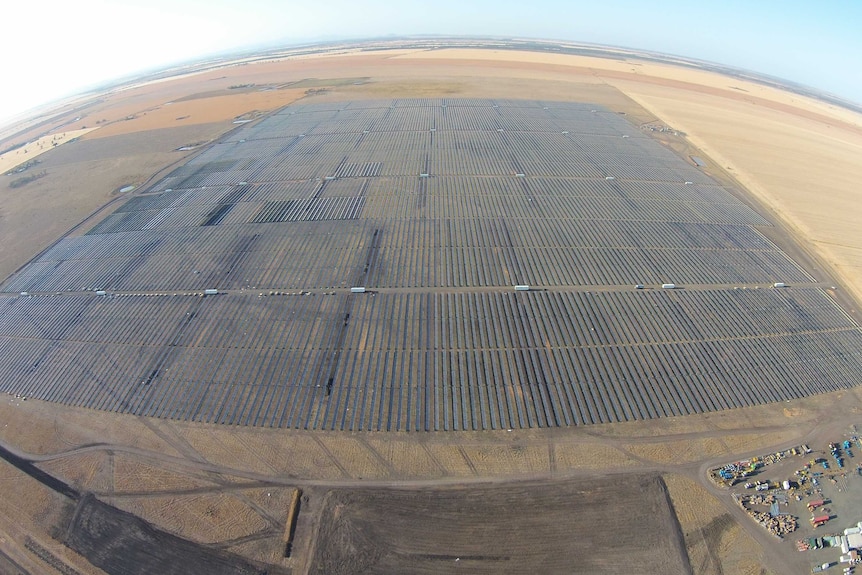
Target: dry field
[223, 107]
[188, 479]
[50, 431]
[547, 527]
[119, 542]
[14, 158]
[806, 170]
[203, 518]
[80, 178]
[716, 544]
[799, 157]
[30, 512]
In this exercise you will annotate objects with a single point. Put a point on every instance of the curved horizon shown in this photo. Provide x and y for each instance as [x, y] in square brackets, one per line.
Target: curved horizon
[220, 59]
[93, 43]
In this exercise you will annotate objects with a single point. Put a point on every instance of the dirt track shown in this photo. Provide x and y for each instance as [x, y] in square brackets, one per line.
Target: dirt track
[368, 461]
[695, 470]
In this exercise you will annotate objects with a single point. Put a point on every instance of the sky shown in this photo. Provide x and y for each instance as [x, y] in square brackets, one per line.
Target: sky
[55, 48]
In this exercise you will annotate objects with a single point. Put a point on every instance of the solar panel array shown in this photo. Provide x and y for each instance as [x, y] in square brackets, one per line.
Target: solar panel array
[437, 208]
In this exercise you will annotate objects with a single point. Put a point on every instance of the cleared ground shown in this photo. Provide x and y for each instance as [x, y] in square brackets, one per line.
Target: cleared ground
[715, 542]
[189, 479]
[566, 527]
[80, 445]
[118, 542]
[79, 178]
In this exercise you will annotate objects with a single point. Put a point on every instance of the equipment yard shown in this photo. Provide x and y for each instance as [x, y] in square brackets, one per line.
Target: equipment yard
[805, 495]
[484, 310]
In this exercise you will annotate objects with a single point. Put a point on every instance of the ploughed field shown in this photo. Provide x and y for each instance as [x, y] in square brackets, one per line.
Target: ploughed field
[437, 208]
[583, 526]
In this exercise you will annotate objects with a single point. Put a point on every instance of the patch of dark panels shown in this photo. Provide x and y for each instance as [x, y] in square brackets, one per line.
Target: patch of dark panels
[439, 340]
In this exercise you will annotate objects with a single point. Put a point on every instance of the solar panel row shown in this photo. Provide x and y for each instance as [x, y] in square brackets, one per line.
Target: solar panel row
[436, 207]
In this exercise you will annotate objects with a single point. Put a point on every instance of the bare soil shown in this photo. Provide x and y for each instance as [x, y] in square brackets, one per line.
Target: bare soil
[225, 515]
[119, 542]
[799, 157]
[83, 176]
[564, 527]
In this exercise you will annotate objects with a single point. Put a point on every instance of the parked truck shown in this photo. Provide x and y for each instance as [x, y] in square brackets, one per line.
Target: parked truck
[814, 504]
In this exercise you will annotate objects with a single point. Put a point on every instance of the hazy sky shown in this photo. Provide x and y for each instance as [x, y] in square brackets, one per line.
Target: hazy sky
[53, 48]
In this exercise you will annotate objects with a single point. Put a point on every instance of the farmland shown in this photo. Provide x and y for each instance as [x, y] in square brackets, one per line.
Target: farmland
[27, 153]
[427, 178]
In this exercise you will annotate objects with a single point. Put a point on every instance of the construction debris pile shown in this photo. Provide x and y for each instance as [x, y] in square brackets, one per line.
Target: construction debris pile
[779, 524]
[767, 499]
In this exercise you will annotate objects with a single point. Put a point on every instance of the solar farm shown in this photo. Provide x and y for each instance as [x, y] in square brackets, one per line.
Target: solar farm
[436, 209]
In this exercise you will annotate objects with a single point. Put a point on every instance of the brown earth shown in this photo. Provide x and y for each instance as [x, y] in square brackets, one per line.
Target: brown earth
[575, 526]
[14, 158]
[228, 487]
[798, 157]
[716, 543]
